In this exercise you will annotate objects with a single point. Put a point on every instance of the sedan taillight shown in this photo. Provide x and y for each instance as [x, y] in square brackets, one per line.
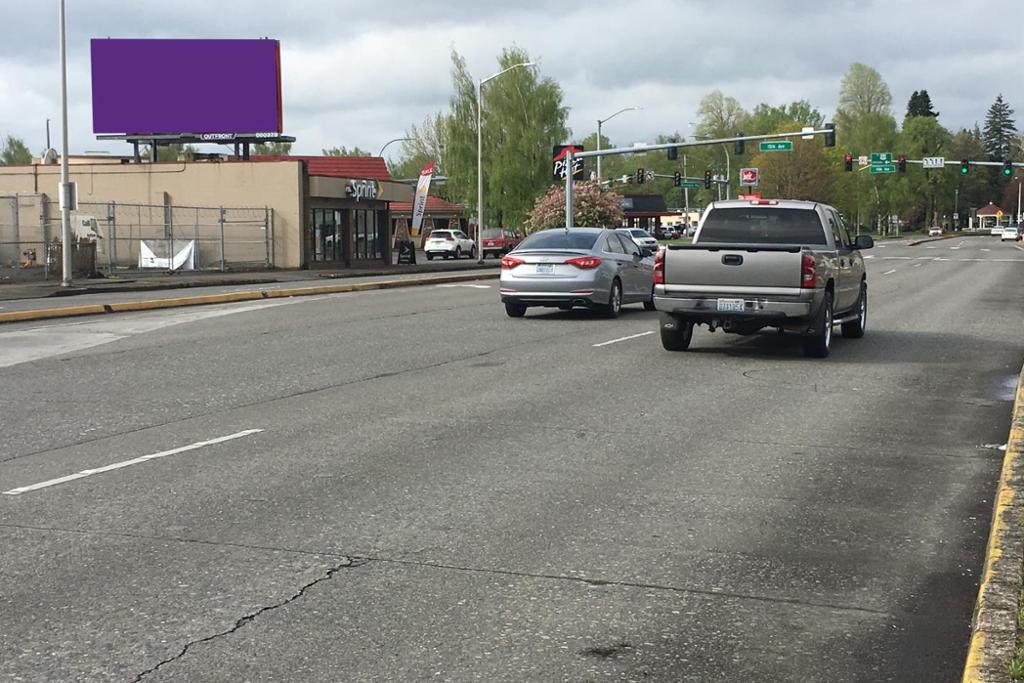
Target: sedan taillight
[584, 262]
[510, 262]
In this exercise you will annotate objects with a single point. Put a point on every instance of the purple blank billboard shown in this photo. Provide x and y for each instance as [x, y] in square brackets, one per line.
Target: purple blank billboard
[185, 86]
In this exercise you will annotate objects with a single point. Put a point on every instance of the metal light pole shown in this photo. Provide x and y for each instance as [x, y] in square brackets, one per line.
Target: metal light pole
[1018, 199]
[388, 143]
[65, 184]
[605, 120]
[479, 160]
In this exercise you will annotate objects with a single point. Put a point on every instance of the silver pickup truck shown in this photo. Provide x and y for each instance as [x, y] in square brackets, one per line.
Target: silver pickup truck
[787, 264]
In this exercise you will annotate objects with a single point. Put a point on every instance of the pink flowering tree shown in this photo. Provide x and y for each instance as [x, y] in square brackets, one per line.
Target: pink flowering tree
[592, 207]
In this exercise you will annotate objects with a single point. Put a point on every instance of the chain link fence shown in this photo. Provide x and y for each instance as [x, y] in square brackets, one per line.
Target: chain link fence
[134, 236]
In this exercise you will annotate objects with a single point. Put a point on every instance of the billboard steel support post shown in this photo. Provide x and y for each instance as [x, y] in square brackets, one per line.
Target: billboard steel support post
[65, 212]
[111, 236]
[16, 224]
[266, 232]
[221, 221]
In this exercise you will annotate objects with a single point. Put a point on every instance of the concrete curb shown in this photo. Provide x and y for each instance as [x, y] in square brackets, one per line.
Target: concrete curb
[230, 297]
[994, 627]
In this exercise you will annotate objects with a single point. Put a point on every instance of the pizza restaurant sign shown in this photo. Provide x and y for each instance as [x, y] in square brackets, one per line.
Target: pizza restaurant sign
[363, 189]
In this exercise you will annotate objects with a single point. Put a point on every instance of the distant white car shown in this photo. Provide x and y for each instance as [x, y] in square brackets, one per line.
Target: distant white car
[1012, 234]
[996, 231]
[934, 231]
[640, 237]
[449, 244]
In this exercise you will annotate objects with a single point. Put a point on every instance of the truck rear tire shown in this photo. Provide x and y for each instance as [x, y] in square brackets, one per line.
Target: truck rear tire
[676, 333]
[818, 342]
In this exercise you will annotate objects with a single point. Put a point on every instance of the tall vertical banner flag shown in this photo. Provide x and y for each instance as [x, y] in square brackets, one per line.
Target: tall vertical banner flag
[419, 204]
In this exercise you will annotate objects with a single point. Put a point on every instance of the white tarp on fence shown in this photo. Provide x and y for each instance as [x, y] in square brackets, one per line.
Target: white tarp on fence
[155, 254]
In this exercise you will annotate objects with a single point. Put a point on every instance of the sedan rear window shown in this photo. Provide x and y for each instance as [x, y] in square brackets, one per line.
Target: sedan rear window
[560, 239]
[756, 225]
[490, 234]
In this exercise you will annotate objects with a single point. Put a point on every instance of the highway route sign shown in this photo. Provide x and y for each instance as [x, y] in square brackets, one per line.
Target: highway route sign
[881, 158]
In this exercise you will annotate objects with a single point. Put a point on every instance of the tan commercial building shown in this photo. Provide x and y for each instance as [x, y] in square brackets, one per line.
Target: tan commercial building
[320, 211]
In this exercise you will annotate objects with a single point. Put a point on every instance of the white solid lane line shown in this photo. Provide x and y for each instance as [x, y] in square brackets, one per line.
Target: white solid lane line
[616, 341]
[889, 272]
[468, 286]
[128, 463]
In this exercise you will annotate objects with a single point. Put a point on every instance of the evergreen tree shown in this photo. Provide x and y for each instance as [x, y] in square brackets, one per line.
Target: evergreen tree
[920, 104]
[1000, 130]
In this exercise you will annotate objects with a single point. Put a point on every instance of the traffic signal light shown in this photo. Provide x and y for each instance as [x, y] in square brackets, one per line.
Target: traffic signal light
[1007, 168]
[901, 163]
[965, 167]
[640, 176]
[677, 178]
[707, 179]
[830, 135]
[848, 163]
[673, 153]
[738, 145]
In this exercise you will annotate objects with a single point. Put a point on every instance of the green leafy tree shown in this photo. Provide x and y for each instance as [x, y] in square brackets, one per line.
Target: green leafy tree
[592, 207]
[809, 172]
[923, 196]
[920, 104]
[274, 149]
[14, 152]
[173, 152]
[523, 117]
[766, 118]
[719, 116]
[346, 152]
[426, 142]
[975, 189]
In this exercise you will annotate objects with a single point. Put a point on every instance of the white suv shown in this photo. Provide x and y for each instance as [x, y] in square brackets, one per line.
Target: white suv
[640, 237]
[449, 244]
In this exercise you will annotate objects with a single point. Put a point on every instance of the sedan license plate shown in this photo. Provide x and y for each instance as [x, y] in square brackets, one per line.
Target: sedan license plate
[545, 268]
[731, 305]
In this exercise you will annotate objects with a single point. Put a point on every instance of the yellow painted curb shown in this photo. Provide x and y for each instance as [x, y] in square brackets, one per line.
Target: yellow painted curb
[230, 297]
[974, 669]
[66, 312]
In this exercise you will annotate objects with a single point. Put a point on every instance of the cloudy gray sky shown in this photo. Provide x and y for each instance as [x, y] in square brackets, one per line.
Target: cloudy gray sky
[359, 73]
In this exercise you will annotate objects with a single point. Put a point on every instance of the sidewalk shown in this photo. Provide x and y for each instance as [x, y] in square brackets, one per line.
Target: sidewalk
[146, 281]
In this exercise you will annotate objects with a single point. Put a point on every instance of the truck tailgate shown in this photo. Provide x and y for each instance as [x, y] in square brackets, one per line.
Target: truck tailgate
[732, 266]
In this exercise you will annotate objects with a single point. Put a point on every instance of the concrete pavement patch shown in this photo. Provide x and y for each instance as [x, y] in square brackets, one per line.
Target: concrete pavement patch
[994, 627]
[230, 297]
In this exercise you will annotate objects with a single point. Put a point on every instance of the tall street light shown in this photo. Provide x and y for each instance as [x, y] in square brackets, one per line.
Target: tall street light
[65, 185]
[728, 166]
[604, 120]
[389, 143]
[479, 160]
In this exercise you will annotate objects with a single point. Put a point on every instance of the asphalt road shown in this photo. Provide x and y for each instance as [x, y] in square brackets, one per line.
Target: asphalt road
[438, 492]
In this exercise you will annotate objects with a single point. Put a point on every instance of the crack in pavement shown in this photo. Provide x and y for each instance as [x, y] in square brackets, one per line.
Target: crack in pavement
[346, 564]
[354, 560]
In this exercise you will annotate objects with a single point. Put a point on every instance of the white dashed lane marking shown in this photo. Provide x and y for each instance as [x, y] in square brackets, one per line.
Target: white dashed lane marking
[622, 339]
[128, 463]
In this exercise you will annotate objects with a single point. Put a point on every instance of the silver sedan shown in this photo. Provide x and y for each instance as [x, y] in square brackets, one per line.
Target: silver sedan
[589, 267]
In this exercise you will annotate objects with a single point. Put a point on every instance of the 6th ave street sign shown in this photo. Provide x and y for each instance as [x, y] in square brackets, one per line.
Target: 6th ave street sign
[691, 184]
[882, 168]
[776, 146]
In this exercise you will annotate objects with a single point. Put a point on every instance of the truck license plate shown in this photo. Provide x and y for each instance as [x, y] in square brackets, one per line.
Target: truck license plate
[731, 305]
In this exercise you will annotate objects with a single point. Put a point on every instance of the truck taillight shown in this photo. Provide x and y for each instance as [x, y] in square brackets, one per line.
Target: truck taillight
[808, 272]
[659, 267]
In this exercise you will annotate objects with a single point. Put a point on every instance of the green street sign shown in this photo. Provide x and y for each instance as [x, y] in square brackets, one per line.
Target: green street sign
[882, 168]
[881, 158]
[691, 184]
[776, 146]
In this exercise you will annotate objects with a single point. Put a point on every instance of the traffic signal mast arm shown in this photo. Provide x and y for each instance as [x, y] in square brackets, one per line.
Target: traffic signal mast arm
[828, 131]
